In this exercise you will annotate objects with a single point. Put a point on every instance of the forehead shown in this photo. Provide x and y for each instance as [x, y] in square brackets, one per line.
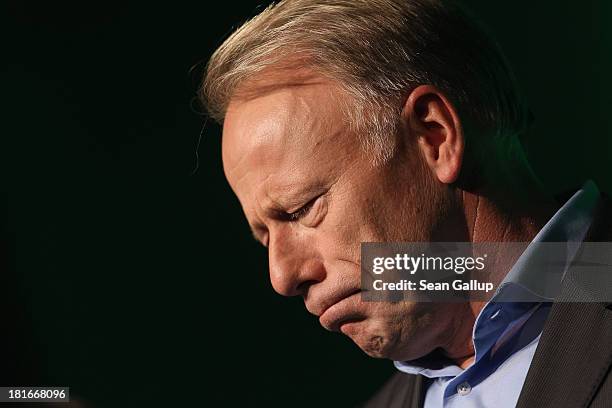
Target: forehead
[282, 136]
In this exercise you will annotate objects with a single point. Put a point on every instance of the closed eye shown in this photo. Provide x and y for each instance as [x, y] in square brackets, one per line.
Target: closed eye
[302, 211]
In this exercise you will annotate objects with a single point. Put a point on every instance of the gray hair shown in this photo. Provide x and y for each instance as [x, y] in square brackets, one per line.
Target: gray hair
[378, 51]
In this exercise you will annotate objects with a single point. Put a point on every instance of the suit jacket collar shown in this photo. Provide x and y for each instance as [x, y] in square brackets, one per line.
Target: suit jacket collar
[575, 350]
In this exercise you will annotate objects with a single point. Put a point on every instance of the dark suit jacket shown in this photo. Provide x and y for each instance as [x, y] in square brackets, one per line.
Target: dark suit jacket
[572, 363]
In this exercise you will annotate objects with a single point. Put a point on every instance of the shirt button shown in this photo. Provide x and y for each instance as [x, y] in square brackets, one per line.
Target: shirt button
[464, 388]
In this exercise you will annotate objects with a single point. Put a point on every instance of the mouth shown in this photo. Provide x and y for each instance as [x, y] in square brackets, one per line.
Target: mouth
[342, 312]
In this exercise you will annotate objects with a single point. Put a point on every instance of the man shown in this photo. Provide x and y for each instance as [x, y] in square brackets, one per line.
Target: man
[350, 121]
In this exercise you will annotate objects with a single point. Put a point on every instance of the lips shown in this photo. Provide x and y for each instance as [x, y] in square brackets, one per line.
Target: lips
[341, 309]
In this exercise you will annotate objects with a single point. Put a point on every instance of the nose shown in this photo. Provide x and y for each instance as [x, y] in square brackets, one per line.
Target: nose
[294, 263]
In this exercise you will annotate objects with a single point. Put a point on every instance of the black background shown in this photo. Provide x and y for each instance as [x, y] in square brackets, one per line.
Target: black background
[136, 282]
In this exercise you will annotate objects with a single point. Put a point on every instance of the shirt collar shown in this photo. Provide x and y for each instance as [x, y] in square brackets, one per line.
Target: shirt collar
[570, 224]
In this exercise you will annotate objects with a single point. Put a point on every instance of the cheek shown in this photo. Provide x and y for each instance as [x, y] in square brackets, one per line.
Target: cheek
[371, 212]
[354, 219]
[340, 236]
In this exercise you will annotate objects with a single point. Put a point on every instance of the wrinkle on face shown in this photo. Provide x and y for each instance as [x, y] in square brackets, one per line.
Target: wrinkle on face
[276, 147]
[285, 146]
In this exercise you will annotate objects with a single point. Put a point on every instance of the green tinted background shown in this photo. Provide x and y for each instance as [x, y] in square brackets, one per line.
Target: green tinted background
[136, 283]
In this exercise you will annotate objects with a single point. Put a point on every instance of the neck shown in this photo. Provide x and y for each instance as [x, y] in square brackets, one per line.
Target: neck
[513, 208]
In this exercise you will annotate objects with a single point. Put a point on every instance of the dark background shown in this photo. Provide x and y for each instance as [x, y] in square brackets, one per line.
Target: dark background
[135, 282]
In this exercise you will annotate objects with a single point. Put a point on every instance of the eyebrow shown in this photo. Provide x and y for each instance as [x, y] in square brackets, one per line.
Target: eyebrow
[276, 205]
[293, 199]
[256, 234]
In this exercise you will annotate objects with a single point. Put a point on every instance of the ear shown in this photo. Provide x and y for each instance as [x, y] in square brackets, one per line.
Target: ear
[434, 122]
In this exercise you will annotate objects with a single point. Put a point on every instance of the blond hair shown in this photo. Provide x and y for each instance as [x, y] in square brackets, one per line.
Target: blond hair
[378, 51]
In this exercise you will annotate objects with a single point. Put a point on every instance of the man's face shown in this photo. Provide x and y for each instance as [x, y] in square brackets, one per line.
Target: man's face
[312, 195]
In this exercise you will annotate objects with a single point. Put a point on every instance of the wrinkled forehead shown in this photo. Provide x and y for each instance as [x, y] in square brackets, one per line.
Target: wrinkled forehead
[253, 129]
[280, 133]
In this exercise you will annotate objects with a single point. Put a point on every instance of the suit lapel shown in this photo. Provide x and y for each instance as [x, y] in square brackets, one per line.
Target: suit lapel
[575, 350]
[417, 398]
[572, 357]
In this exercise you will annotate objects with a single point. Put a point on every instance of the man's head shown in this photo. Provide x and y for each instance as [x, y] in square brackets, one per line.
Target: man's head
[345, 122]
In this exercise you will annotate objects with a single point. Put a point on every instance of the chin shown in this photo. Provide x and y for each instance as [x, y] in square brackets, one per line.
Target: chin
[373, 339]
